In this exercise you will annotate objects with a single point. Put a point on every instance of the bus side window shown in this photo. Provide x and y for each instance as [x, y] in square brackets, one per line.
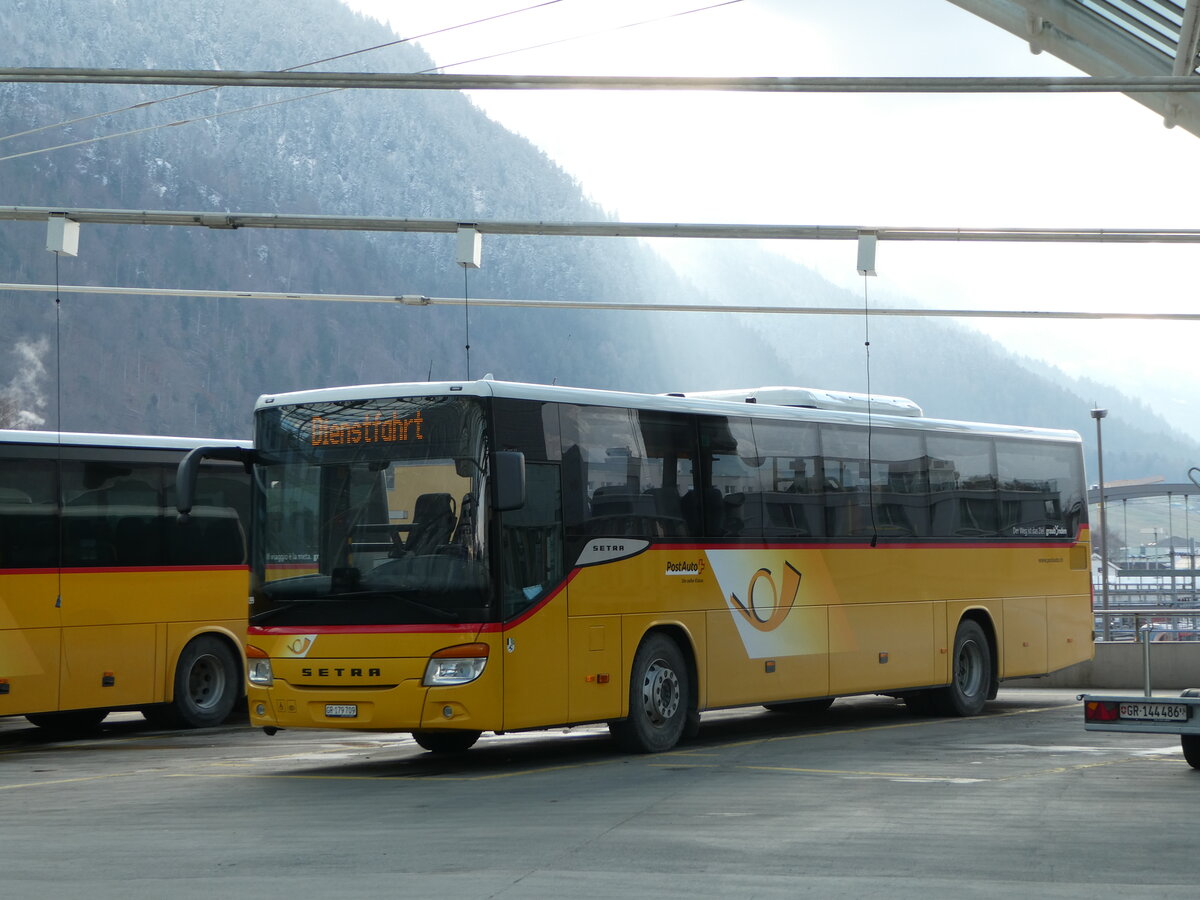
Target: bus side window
[900, 484]
[626, 472]
[963, 501]
[113, 514]
[731, 469]
[215, 533]
[28, 514]
[1032, 480]
[847, 483]
[788, 499]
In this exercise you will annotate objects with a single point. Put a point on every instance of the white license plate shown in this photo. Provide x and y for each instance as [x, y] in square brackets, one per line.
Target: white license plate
[341, 710]
[1155, 712]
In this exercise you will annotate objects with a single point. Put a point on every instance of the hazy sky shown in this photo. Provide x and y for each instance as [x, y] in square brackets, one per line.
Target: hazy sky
[1036, 160]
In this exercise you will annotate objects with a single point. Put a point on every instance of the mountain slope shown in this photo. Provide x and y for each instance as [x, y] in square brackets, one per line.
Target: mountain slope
[169, 365]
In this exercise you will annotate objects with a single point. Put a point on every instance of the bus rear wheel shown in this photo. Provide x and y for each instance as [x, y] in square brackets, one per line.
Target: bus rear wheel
[446, 741]
[971, 676]
[659, 698]
[208, 683]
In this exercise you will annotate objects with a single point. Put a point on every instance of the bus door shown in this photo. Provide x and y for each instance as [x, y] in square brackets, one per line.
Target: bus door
[30, 618]
[533, 604]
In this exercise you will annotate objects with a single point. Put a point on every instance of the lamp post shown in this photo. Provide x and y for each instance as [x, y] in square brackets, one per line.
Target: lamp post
[1099, 414]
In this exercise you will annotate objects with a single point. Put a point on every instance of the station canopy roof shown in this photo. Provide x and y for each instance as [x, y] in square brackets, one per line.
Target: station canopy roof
[1113, 38]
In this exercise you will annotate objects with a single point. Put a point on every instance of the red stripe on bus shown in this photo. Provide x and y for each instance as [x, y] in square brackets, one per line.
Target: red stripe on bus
[460, 628]
[537, 606]
[864, 544]
[102, 569]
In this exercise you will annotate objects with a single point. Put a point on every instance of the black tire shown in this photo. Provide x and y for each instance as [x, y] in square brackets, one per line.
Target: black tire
[970, 675]
[801, 707]
[208, 683]
[659, 698]
[1191, 749]
[446, 741]
[68, 724]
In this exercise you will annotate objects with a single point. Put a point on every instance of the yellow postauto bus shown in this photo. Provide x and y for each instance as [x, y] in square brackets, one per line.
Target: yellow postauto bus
[107, 601]
[452, 558]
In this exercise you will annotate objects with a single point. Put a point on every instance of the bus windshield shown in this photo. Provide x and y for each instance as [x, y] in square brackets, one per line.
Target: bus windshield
[368, 513]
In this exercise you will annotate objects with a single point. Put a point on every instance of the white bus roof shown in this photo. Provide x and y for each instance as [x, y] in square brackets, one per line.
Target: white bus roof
[813, 398]
[124, 441]
[695, 403]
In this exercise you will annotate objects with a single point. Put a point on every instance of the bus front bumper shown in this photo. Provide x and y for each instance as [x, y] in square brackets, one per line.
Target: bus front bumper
[407, 706]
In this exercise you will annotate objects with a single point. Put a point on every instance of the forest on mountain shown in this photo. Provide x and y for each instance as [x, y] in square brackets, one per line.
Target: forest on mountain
[160, 364]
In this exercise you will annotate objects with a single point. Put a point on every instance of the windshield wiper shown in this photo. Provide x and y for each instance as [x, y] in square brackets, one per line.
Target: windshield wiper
[271, 613]
[444, 614]
[296, 589]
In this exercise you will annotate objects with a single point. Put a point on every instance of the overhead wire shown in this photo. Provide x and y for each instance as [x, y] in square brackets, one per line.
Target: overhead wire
[120, 134]
[100, 115]
[147, 103]
[310, 95]
[584, 35]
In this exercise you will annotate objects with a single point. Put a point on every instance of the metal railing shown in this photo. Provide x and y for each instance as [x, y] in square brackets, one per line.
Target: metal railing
[1127, 624]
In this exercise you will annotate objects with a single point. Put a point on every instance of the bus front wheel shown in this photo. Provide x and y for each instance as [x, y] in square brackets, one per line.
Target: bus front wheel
[659, 697]
[446, 741]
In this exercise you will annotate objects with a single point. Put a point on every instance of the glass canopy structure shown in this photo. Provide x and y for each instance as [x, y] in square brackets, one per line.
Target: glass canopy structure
[1132, 38]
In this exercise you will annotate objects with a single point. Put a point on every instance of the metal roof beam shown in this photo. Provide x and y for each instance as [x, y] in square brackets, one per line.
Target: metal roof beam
[1189, 40]
[233, 221]
[1110, 83]
[1088, 40]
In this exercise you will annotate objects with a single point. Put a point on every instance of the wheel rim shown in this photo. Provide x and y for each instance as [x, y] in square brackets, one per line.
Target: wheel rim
[660, 692]
[968, 675]
[206, 682]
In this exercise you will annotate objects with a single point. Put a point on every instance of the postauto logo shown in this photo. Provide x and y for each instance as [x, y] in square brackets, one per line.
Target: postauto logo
[761, 594]
[776, 602]
[689, 567]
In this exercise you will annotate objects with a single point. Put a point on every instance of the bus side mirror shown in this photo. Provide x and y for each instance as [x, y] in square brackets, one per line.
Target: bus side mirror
[189, 466]
[508, 480]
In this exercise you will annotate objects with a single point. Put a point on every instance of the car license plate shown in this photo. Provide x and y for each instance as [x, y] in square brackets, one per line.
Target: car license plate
[341, 710]
[1154, 712]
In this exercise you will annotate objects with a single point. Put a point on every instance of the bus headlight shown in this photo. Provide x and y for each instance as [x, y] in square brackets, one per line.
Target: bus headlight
[456, 665]
[258, 667]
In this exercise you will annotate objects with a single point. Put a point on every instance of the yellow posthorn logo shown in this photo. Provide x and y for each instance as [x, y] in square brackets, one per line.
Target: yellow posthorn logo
[781, 602]
[300, 645]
